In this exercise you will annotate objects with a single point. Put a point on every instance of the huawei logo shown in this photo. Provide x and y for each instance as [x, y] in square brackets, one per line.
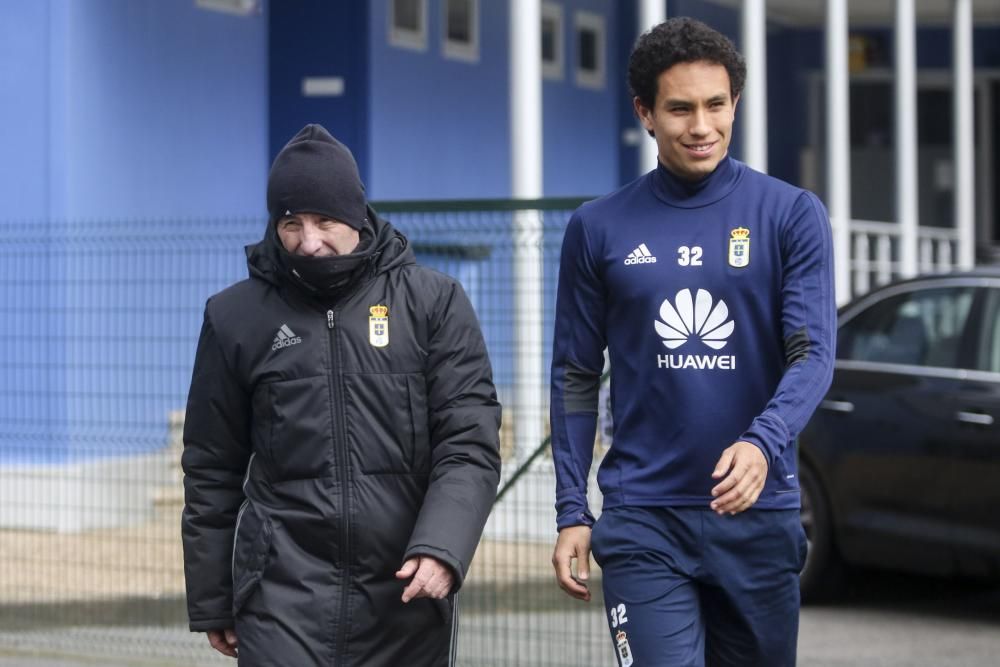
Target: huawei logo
[698, 317]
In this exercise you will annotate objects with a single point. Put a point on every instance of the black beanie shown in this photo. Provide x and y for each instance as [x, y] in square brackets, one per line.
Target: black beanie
[315, 173]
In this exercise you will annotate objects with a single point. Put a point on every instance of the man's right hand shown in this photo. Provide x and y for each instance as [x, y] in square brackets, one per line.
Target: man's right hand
[223, 641]
[573, 544]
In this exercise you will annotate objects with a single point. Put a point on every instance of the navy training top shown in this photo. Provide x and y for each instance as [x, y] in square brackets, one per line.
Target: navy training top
[715, 302]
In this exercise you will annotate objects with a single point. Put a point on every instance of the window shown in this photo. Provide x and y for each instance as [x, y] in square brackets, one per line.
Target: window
[552, 41]
[590, 48]
[989, 351]
[461, 29]
[408, 24]
[920, 328]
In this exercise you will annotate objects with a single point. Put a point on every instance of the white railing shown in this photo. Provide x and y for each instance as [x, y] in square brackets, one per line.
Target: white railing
[875, 252]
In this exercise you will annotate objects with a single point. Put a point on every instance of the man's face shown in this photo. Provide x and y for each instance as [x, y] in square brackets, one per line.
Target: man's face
[692, 119]
[311, 235]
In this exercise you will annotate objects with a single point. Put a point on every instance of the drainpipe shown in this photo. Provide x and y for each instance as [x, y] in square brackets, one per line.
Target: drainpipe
[526, 183]
[907, 203]
[963, 121]
[838, 144]
[754, 100]
[651, 13]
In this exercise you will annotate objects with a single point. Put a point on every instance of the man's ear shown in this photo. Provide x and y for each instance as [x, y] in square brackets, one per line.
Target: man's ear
[645, 114]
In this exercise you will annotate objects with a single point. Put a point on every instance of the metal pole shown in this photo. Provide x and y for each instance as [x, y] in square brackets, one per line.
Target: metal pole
[526, 183]
[907, 203]
[838, 144]
[965, 148]
[651, 13]
[754, 100]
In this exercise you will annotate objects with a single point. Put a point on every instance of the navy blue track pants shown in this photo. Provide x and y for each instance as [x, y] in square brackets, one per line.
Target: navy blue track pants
[685, 587]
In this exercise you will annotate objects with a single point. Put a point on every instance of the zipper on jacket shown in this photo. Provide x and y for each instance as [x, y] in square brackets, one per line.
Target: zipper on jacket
[239, 517]
[337, 411]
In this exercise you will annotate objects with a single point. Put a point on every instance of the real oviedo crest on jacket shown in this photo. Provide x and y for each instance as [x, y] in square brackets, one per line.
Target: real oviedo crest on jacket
[378, 326]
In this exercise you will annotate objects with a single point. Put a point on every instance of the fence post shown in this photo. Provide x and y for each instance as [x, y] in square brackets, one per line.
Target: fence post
[528, 371]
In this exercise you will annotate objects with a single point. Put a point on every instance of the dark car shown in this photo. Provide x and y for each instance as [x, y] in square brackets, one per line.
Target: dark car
[900, 465]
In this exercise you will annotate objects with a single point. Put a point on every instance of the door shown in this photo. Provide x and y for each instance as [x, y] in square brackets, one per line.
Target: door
[976, 449]
[886, 422]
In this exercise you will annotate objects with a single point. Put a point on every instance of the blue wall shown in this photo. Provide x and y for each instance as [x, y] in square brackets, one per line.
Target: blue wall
[439, 127]
[26, 49]
[791, 55]
[580, 125]
[316, 38]
[125, 122]
[628, 155]
[122, 108]
[168, 110]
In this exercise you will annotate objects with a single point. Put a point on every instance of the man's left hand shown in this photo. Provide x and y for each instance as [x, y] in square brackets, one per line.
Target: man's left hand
[431, 578]
[743, 471]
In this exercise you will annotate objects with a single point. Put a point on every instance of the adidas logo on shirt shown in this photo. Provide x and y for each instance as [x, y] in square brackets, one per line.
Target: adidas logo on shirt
[640, 255]
[285, 338]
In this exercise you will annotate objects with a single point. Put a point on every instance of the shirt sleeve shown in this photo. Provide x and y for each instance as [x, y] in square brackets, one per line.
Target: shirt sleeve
[215, 458]
[464, 423]
[577, 360]
[809, 327]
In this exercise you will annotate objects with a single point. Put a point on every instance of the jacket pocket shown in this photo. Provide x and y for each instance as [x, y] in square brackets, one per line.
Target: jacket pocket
[386, 419]
[445, 608]
[251, 553]
[300, 429]
[420, 451]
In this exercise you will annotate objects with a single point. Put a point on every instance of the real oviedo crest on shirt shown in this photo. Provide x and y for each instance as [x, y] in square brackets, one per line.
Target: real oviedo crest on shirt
[624, 650]
[739, 247]
[378, 326]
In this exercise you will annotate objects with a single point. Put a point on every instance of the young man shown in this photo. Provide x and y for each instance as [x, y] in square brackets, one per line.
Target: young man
[711, 286]
[341, 448]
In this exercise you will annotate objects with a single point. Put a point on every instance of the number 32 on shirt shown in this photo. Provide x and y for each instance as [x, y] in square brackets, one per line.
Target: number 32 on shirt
[689, 256]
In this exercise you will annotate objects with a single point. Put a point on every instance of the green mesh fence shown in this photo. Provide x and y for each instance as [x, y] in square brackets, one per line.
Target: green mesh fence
[107, 315]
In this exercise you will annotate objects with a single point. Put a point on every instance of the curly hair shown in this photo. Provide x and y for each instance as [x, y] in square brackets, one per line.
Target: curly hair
[680, 40]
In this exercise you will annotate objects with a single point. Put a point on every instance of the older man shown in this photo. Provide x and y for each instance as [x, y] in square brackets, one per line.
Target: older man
[341, 440]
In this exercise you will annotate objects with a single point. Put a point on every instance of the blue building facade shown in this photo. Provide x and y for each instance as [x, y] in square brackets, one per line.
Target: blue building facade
[144, 124]
[123, 123]
[429, 120]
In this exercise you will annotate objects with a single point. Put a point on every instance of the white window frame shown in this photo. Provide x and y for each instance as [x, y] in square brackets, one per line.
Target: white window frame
[464, 51]
[583, 20]
[556, 69]
[403, 37]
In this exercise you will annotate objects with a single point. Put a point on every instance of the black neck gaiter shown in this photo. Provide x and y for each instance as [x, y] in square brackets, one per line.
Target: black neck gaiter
[330, 277]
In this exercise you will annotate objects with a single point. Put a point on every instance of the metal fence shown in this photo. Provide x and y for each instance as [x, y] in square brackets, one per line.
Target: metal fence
[102, 320]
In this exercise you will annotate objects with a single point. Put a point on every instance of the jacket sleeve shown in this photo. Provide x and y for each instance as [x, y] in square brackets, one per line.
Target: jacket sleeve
[464, 424]
[216, 453]
[577, 360]
[809, 327]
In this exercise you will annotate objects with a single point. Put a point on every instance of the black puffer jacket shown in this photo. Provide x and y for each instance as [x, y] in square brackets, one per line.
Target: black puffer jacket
[316, 461]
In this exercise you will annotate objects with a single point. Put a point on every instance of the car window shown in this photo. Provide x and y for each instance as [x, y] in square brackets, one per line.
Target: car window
[989, 351]
[918, 328]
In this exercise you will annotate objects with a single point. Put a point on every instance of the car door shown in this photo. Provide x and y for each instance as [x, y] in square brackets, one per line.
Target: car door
[975, 448]
[886, 421]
